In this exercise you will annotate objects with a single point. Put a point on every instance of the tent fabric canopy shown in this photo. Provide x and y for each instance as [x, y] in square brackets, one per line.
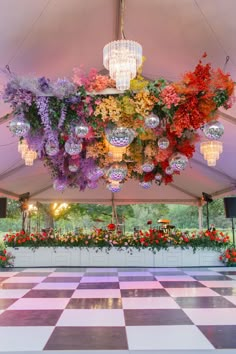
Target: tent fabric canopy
[50, 38]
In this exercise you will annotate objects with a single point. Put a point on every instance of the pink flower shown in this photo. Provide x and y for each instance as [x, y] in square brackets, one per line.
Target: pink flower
[169, 96]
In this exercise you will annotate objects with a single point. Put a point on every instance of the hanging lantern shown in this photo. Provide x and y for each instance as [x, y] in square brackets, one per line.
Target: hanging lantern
[95, 173]
[211, 151]
[122, 58]
[29, 157]
[73, 146]
[158, 177]
[120, 136]
[19, 126]
[81, 130]
[163, 143]
[213, 130]
[178, 161]
[114, 187]
[169, 171]
[147, 167]
[145, 185]
[152, 121]
[117, 172]
[52, 147]
[60, 184]
[22, 147]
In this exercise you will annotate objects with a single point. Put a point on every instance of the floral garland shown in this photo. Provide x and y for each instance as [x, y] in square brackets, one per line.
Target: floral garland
[58, 111]
[153, 239]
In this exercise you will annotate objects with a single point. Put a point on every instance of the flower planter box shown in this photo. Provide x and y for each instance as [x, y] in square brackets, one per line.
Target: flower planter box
[96, 257]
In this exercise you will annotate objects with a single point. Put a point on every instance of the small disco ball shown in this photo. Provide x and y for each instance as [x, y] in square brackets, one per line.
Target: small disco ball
[92, 184]
[19, 126]
[117, 172]
[163, 143]
[178, 161]
[60, 184]
[145, 185]
[114, 187]
[152, 121]
[73, 167]
[119, 136]
[213, 130]
[169, 171]
[95, 174]
[147, 167]
[52, 147]
[81, 130]
[73, 146]
[158, 177]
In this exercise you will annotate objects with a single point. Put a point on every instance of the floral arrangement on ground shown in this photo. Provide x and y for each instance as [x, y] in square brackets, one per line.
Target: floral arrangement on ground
[229, 257]
[147, 133]
[152, 239]
[6, 258]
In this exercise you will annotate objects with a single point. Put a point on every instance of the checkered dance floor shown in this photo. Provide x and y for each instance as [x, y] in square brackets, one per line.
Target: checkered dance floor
[117, 309]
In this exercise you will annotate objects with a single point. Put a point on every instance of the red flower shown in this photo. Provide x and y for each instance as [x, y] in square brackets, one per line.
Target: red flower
[148, 177]
[111, 227]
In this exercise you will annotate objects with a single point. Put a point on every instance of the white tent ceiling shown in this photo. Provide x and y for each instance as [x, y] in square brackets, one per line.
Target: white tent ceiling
[51, 37]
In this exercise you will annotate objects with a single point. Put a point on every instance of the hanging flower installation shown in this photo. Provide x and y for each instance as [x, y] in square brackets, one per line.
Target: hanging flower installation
[146, 135]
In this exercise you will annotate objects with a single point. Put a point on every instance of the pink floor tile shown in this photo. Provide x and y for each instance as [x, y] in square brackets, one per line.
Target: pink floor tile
[39, 304]
[140, 285]
[149, 303]
[24, 280]
[212, 316]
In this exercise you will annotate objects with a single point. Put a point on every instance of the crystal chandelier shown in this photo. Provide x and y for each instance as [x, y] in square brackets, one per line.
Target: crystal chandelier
[211, 151]
[22, 147]
[122, 58]
[27, 154]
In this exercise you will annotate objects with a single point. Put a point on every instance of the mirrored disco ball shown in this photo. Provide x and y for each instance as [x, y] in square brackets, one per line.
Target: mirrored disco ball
[81, 130]
[158, 177]
[169, 170]
[95, 174]
[163, 143]
[19, 126]
[213, 130]
[92, 184]
[147, 167]
[119, 136]
[178, 161]
[152, 121]
[73, 146]
[114, 187]
[73, 167]
[117, 172]
[60, 184]
[52, 147]
[145, 185]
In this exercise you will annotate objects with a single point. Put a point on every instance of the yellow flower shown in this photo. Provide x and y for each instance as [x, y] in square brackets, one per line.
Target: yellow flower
[144, 102]
[109, 108]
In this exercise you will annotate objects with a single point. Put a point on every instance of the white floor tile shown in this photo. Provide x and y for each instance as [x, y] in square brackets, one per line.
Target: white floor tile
[96, 293]
[212, 316]
[12, 293]
[53, 286]
[174, 278]
[149, 303]
[191, 292]
[98, 279]
[134, 274]
[24, 338]
[101, 270]
[24, 280]
[232, 277]
[39, 304]
[7, 274]
[92, 318]
[66, 274]
[231, 299]
[219, 283]
[166, 337]
[200, 272]
[39, 270]
[140, 285]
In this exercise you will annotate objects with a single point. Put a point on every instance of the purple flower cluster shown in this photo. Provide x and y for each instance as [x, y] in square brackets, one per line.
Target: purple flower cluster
[62, 117]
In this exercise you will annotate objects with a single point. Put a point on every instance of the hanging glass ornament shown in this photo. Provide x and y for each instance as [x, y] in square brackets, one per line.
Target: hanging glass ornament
[81, 130]
[152, 121]
[73, 146]
[60, 184]
[169, 171]
[117, 172]
[213, 130]
[147, 167]
[178, 161]
[95, 173]
[163, 143]
[73, 167]
[120, 136]
[145, 185]
[158, 177]
[92, 184]
[52, 147]
[19, 126]
[114, 187]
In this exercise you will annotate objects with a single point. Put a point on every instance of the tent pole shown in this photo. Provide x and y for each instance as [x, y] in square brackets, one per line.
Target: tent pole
[200, 217]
